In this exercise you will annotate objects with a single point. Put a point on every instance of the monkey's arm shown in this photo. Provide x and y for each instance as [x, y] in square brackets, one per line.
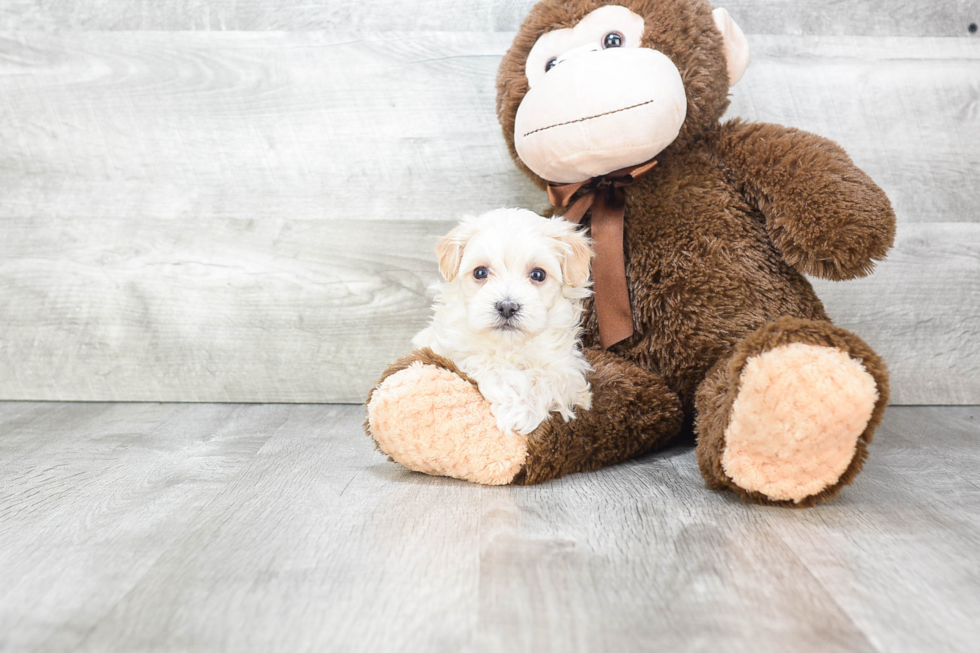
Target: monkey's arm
[825, 214]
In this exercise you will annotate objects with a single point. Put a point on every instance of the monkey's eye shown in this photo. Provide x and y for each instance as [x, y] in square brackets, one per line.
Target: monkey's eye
[551, 64]
[481, 273]
[537, 274]
[612, 40]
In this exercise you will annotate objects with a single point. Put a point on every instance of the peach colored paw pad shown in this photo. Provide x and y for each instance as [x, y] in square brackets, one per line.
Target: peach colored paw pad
[432, 421]
[796, 420]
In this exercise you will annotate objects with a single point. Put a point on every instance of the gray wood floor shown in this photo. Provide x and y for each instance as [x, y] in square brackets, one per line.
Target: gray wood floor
[204, 527]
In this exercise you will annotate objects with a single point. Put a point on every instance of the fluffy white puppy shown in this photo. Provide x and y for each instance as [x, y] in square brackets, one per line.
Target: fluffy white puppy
[508, 313]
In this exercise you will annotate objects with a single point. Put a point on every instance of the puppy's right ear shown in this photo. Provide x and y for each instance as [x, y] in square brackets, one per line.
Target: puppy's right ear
[450, 249]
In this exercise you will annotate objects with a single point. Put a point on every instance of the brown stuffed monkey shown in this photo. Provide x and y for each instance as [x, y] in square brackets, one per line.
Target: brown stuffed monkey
[722, 336]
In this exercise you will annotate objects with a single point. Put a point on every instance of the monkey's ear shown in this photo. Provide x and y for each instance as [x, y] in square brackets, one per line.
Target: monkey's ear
[736, 47]
[450, 249]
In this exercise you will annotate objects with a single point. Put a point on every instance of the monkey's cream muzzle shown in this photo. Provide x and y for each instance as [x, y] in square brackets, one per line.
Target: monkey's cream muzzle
[616, 108]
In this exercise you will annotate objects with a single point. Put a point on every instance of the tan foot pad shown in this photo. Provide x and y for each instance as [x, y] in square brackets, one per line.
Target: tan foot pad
[796, 420]
[431, 420]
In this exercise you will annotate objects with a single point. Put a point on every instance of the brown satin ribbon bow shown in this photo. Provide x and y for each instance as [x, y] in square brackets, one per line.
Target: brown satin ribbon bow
[607, 199]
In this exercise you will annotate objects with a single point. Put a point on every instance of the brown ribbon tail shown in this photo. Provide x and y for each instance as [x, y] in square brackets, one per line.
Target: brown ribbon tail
[634, 172]
[612, 299]
[607, 199]
[578, 209]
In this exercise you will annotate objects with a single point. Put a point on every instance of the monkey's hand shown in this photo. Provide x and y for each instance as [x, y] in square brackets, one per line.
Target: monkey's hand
[825, 214]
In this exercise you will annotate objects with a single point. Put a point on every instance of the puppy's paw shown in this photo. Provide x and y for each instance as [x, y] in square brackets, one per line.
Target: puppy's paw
[517, 417]
[581, 401]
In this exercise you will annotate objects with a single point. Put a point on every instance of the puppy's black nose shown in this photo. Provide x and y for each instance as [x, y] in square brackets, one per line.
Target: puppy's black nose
[507, 308]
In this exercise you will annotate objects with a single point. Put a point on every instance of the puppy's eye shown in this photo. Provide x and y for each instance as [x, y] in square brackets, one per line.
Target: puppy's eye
[612, 40]
[481, 273]
[537, 274]
[551, 64]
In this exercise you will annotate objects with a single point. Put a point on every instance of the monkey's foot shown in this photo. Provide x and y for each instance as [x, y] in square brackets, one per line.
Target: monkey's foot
[796, 421]
[431, 420]
[787, 417]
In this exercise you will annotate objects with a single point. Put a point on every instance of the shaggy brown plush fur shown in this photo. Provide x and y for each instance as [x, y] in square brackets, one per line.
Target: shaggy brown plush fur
[717, 239]
[719, 234]
[786, 173]
[633, 411]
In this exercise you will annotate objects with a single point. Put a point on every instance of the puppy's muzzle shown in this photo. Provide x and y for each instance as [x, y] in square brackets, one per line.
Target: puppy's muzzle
[507, 308]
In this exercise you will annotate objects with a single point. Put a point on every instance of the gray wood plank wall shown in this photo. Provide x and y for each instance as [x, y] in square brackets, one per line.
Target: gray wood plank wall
[236, 201]
[817, 17]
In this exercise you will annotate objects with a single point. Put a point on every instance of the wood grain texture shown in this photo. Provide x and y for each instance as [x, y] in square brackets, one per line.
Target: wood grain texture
[279, 528]
[92, 494]
[250, 216]
[402, 127]
[297, 311]
[817, 17]
[906, 110]
[156, 126]
[925, 459]
[234, 310]
[921, 313]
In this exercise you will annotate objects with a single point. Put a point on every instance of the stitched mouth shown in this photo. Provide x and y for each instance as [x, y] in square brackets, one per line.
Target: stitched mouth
[598, 115]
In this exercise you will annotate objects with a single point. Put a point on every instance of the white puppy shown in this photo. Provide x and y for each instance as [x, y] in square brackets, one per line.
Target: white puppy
[508, 313]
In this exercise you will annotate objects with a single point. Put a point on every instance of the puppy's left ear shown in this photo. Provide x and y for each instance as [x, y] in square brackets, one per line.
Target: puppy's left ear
[576, 253]
[450, 249]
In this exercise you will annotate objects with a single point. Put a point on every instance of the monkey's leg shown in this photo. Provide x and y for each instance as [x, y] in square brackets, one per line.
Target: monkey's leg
[429, 417]
[786, 418]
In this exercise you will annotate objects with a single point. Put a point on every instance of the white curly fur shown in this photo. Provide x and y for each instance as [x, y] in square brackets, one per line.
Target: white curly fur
[531, 364]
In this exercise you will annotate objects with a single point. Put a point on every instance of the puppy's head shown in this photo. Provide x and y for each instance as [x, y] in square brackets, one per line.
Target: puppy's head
[517, 272]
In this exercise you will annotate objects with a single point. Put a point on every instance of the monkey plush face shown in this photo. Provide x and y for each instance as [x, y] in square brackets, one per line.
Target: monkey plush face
[597, 100]
[590, 87]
